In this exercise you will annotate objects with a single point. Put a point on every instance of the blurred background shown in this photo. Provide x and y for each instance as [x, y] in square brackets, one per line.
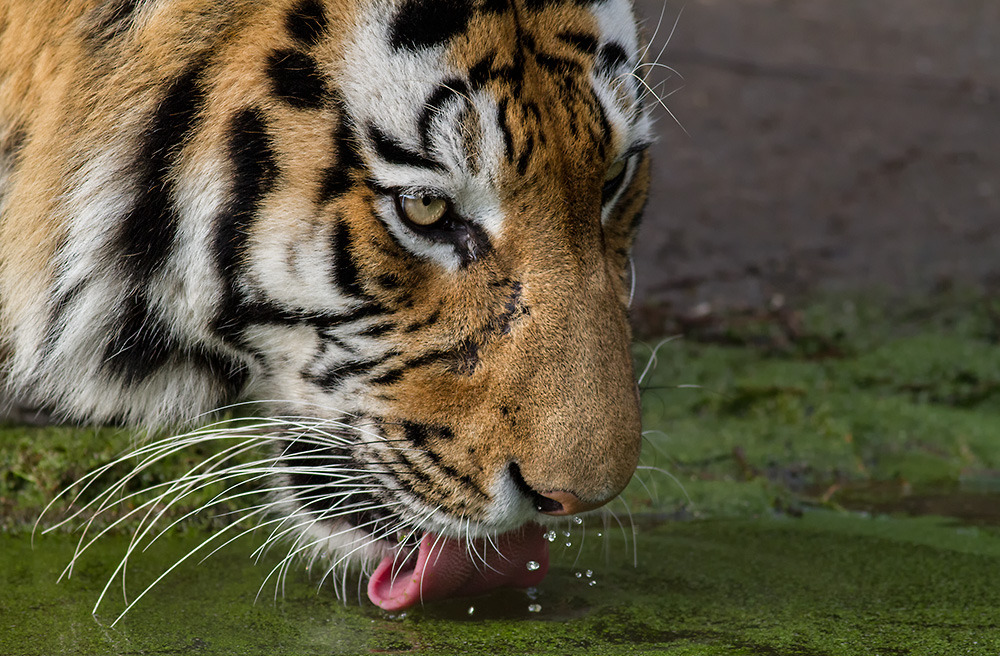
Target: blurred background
[827, 146]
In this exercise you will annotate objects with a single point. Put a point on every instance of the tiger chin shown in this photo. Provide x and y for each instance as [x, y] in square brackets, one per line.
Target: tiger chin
[402, 226]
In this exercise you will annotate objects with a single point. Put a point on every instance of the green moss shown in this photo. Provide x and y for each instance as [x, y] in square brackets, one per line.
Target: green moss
[819, 482]
[825, 583]
[890, 403]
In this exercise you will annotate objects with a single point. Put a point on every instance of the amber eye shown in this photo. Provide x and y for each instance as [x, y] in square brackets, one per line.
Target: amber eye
[615, 170]
[422, 211]
[612, 180]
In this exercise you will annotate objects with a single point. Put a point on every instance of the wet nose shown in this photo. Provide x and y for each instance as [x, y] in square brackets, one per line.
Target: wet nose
[554, 502]
[559, 502]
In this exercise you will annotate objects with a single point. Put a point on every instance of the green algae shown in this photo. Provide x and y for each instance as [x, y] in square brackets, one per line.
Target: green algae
[820, 482]
[824, 583]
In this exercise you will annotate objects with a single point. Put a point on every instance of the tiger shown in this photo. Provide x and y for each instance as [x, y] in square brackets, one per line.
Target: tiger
[409, 220]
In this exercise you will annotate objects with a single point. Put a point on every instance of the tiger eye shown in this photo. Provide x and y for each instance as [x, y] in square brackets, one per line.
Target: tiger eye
[423, 210]
[615, 170]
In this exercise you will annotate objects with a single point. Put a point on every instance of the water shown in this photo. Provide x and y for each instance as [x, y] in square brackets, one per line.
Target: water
[533, 566]
[211, 609]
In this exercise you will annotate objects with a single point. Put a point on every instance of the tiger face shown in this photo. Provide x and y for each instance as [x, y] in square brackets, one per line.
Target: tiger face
[411, 218]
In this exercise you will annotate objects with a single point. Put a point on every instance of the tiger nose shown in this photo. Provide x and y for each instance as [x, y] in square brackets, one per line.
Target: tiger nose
[559, 502]
[553, 502]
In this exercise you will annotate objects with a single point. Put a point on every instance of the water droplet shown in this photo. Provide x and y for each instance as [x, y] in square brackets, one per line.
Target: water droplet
[551, 536]
[472, 609]
[600, 535]
[577, 520]
[578, 574]
[566, 534]
[533, 566]
[534, 608]
[532, 593]
[590, 573]
[569, 544]
[593, 582]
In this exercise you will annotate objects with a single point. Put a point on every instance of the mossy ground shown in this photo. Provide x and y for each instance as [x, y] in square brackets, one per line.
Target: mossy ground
[825, 481]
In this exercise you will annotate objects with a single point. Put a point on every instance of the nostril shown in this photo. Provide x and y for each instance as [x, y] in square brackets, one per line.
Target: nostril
[556, 502]
[542, 504]
[548, 505]
[567, 503]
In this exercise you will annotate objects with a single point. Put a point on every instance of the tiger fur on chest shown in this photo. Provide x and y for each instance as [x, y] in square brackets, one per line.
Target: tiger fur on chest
[409, 217]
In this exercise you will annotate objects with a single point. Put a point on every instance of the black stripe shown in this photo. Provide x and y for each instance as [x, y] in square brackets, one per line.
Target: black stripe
[346, 138]
[254, 175]
[338, 180]
[149, 228]
[606, 131]
[423, 437]
[416, 434]
[378, 329]
[427, 358]
[388, 378]
[11, 147]
[418, 482]
[230, 374]
[306, 23]
[557, 65]
[422, 24]
[389, 281]
[508, 137]
[447, 90]
[525, 157]
[57, 315]
[585, 43]
[345, 269]
[296, 78]
[494, 6]
[263, 313]
[481, 72]
[395, 153]
[333, 377]
[140, 345]
[612, 56]
[395, 374]
[514, 307]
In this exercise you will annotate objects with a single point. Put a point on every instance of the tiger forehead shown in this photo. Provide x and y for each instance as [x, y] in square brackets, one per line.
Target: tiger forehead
[508, 83]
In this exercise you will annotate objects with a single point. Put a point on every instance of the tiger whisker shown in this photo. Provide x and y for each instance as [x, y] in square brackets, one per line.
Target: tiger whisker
[437, 556]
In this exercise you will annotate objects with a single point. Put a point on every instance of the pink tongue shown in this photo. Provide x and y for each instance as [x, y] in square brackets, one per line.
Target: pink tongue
[445, 568]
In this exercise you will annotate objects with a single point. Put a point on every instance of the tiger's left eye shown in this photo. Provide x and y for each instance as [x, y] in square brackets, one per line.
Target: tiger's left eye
[613, 179]
[423, 211]
[615, 170]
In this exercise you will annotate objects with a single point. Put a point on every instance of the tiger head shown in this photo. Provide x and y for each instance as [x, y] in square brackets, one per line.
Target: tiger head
[409, 218]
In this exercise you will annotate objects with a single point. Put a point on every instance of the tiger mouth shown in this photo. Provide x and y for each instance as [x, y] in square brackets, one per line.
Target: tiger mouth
[440, 567]
[422, 565]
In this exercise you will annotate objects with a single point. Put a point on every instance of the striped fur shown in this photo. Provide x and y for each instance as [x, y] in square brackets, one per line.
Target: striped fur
[200, 205]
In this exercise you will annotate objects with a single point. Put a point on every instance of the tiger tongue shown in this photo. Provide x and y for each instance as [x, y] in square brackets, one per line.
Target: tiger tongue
[445, 568]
